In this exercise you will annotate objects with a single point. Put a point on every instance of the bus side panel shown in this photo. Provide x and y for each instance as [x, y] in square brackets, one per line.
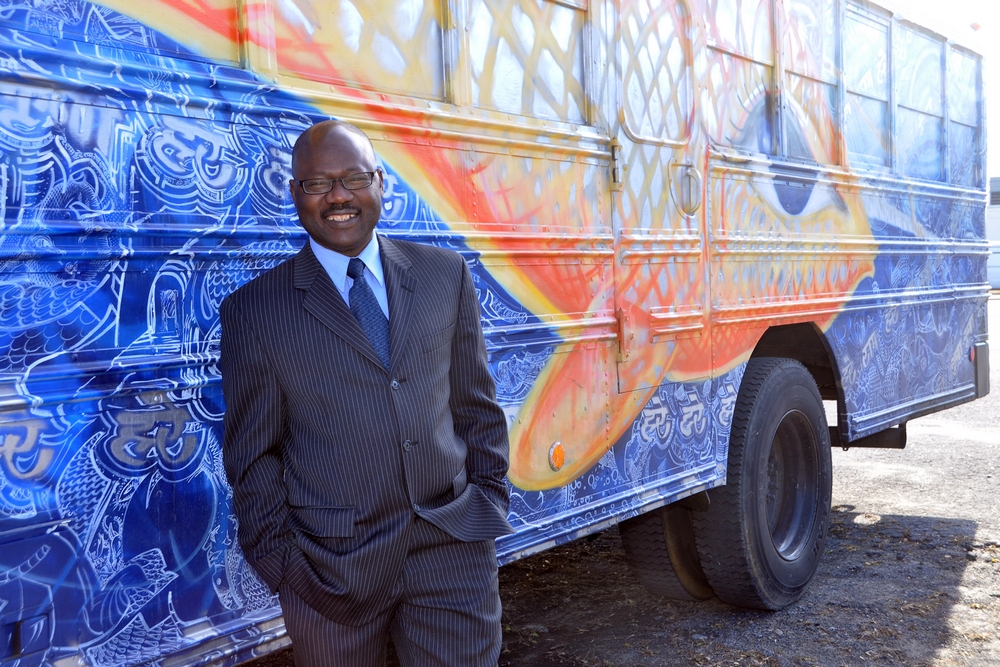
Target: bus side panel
[676, 446]
[116, 533]
[903, 345]
[893, 276]
[137, 193]
[872, 232]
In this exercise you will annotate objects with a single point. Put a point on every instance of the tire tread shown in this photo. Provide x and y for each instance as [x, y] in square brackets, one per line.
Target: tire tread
[647, 556]
[722, 541]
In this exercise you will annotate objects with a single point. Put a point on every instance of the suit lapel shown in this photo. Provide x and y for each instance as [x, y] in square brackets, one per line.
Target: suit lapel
[324, 302]
[400, 287]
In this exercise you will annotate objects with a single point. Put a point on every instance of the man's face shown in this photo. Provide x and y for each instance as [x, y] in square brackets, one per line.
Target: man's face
[341, 220]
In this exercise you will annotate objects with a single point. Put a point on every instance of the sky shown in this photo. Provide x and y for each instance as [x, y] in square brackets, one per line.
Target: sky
[953, 19]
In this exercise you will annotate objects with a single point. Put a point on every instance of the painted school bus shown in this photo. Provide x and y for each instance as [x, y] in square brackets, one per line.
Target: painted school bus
[689, 222]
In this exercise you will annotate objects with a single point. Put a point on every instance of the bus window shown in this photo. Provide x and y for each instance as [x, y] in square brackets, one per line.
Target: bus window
[963, 108]
[810, 61]
[919, 76]
[394, 47]
[656, 79]
[545, 39]
[739, 85]
[866, 79]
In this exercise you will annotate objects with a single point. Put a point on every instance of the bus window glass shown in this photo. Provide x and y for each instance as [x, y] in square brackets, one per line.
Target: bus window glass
[655, 69]
[866, 114]
[743, 27]
[810, 57]
[920, 97]
[544, 39]
[737, 97]
[963, 107]
[393, 46]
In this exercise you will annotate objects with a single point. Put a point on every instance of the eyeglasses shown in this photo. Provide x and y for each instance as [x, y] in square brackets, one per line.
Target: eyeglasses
[320, 186]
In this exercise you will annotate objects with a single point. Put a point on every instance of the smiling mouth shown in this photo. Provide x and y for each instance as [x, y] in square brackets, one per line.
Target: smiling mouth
[340, 216]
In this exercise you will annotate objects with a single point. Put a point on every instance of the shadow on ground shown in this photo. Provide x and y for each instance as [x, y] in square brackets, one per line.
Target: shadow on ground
[882, 596]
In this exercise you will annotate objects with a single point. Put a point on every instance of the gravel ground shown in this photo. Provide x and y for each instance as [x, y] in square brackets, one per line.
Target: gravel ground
[911, 574]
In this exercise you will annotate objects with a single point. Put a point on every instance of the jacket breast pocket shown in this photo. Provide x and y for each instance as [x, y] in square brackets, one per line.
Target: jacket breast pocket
[438, 339]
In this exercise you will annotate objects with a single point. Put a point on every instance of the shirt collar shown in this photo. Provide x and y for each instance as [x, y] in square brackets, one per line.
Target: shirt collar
[336, 264]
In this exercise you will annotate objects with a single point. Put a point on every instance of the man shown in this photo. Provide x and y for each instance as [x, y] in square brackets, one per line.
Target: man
[367, 457]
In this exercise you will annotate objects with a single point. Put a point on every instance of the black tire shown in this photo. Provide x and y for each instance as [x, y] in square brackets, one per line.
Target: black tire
[763, 535]
[660, 551]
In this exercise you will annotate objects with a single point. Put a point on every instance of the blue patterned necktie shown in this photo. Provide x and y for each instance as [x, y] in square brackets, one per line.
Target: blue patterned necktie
[366, 310]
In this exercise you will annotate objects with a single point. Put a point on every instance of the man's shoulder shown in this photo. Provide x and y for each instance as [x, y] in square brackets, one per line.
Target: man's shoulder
[426, 255]
[267, 285]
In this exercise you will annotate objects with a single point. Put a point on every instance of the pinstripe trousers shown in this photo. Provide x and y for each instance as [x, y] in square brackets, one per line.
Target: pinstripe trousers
[445, 611]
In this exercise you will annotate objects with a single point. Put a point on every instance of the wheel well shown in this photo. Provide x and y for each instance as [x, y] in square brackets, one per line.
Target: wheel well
[805, 344]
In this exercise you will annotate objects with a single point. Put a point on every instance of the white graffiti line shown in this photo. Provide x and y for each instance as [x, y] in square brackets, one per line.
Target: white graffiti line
[27, 566]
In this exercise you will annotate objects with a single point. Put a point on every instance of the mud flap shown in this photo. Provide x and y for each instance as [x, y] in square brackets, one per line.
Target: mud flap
[981, 358]
[890, 438]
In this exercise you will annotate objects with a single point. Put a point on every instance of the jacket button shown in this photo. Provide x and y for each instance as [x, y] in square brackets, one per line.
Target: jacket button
[394, 384]
[407, 445]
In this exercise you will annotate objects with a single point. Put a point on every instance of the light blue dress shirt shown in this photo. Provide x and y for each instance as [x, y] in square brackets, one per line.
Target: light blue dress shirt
[336, 267]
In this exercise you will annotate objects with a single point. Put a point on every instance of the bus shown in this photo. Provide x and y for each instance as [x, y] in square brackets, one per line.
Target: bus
[693, 225]
[993, 234]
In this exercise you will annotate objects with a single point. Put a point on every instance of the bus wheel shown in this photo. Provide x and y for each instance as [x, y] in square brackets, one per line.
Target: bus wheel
[660, 550]
[762, 537]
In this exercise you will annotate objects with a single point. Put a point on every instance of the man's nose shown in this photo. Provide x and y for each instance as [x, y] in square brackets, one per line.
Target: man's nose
[339, 194]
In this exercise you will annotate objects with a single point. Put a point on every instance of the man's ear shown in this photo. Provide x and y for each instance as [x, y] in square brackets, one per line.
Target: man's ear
[291, 189]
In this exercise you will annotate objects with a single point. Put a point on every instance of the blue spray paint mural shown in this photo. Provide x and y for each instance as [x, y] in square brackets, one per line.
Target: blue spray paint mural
[142, 183]
[118, 244]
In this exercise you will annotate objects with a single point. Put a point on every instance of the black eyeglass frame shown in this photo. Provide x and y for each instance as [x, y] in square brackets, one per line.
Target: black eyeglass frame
[343, 181]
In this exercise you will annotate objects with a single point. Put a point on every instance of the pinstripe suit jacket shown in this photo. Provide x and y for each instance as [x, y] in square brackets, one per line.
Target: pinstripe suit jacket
[329, 455]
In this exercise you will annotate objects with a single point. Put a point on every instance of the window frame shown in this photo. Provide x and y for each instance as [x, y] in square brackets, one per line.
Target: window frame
[686, 45]
[979, 180]
[838, 150]
[894, 24]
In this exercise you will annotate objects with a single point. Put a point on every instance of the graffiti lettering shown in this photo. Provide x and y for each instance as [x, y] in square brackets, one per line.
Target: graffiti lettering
[165, 432]
[655, 420]
[693, 416]
[22, 456]
[727, 403]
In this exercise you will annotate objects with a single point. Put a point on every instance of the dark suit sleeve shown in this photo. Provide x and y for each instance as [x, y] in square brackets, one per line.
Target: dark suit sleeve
[255, 432]
[478, 419]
